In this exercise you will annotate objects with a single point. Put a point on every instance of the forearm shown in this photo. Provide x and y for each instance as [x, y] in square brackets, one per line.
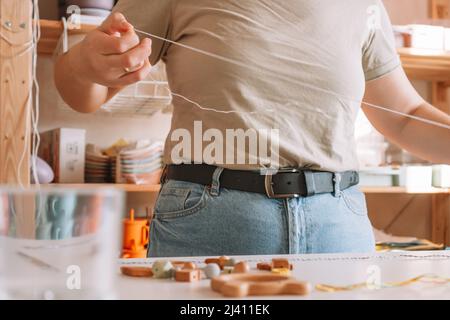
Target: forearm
[80, 94]
[428, 141]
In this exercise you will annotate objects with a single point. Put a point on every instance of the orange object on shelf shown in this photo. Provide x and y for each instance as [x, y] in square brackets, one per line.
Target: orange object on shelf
[135, 237]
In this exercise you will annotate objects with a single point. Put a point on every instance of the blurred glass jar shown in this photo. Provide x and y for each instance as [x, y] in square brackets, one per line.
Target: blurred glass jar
[59, 243]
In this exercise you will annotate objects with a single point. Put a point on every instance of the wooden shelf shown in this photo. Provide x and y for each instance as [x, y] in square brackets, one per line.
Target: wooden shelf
[431, 65]
[156, 188]
[402, 190]
[124, 187]
[51, 31]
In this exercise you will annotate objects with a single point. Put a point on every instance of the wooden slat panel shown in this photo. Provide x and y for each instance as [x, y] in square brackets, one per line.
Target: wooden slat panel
[15, 79]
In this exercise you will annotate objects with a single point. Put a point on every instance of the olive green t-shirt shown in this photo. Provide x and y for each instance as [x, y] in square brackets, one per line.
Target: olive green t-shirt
[293, 71]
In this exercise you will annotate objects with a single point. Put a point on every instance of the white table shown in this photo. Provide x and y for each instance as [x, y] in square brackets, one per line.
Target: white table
[333, 269]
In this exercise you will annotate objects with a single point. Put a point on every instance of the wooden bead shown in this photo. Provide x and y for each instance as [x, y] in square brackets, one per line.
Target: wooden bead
[138, 272]
[227, 270]
[212, 260]
[187, 275]
[230, 263]
[211, 270]
[162, 269]
[241, 267]
[281, 264]
[281, 271]
[264, 266]
[189, 266]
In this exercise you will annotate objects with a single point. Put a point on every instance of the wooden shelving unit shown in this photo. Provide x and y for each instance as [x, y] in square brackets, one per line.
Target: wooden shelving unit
[430, 65]
[51, 32]
[124, 187]
[401, 190]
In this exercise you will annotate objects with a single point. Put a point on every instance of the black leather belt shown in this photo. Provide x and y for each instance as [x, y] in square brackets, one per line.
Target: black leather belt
[286, 183]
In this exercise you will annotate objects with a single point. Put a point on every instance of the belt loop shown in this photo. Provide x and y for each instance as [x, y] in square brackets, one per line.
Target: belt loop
[215, 184]
[337, 177]
[163, 178]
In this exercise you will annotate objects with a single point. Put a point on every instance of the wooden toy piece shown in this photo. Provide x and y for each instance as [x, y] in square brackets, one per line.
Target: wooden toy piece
[241, 267]
[230, 262]
[244, 284]
[213, 260]
[227, 270]
[219, 261]
[135, 237]
[212, 270]
[281, 264]
[138, 272]
[282, 271]
[189, 266]
[187, 275]
[162, 269]
[264, 266]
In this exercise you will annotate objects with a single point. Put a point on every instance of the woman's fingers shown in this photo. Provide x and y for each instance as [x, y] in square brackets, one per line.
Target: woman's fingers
[115, 23]
[108, 45]
[132, 58]
[133, 77]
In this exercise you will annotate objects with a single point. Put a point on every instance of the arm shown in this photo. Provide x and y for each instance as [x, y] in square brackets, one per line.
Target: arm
[395, 92]
[93, 71]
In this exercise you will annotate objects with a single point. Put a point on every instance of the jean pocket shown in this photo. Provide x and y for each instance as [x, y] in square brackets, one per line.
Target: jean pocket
[355, 201]
[180, 199]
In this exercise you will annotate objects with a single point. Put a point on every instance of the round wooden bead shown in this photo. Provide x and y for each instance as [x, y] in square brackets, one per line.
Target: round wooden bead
[162, 269]
[212, 270]
[241, 267]
[189, 266]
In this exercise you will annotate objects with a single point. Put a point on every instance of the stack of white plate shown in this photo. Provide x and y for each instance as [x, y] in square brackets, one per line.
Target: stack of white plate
[142, 165]
[98, 168]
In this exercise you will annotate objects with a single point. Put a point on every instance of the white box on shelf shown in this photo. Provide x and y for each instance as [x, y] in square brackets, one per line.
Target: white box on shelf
[379, 177]
[427, 37]
[416, 178]
[64, 150]
[441, 176]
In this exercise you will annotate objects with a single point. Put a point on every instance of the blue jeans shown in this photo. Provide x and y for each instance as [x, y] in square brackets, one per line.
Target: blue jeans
[194, 220]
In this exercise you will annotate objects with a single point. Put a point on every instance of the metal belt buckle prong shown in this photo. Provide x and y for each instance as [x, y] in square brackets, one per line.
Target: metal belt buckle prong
[269, 185]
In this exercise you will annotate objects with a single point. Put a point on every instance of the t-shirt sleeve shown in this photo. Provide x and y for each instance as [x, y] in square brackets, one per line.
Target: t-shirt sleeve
[151, 16]
[379, 53]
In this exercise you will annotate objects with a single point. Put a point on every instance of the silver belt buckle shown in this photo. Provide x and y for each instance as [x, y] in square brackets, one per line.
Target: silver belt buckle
[268, 183]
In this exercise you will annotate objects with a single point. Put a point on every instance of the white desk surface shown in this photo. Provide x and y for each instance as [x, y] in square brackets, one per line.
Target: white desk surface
[332, 269]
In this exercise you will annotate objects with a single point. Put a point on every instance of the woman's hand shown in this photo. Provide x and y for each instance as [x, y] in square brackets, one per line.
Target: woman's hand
[107, 60]
[112, 55]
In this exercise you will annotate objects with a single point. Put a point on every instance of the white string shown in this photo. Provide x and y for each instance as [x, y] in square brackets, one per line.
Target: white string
[307, 85]
[213, 109]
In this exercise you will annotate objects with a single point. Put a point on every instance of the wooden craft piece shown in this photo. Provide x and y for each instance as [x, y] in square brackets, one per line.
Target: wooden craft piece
[281, 264]
[187, 275]
[230, 263]
[189, 266]
[282, 271]
[264, 266]
[227, 270]
[241, 267]
[244, 284]
[138, 272]
[222, 261]
[162, 269]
